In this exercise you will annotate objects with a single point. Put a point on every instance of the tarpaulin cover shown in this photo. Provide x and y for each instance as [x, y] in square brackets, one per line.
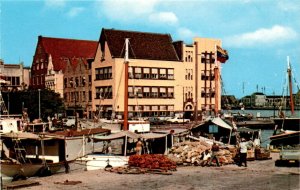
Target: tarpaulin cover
[117, 136]
[152, 135]
[218, 121]
[130, 135]
[25, 135]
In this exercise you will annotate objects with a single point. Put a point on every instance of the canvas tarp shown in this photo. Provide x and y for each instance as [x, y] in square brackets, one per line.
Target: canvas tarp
[152, 135]
[117, 136]
[25, 135]
[218, 121]
[129, 134]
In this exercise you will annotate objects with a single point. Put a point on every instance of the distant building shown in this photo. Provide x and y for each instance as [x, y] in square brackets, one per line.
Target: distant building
[229, 101]
[257, 99]
[15, 75]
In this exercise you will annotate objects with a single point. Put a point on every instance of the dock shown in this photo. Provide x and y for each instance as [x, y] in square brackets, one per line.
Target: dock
[257, 124]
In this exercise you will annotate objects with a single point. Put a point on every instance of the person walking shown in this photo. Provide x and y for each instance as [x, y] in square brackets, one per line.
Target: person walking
[243, 152]
[214, 149]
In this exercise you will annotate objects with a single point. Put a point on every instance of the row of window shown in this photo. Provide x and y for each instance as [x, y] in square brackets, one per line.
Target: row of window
[151, 73]
[104, 92]
[103, 73]
[188, 56]
[37, 80]
[13, 81]
[39, 64]
[189, 74]
[208, 57]
[150, 92]
[209, 75]
[76, 81]
[151, 108]
[81, 96]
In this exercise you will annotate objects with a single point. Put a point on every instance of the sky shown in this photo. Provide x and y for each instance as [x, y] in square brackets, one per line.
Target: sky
[258, 34]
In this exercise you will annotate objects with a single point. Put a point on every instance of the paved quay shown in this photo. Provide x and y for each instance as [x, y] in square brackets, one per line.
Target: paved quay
[259, 175]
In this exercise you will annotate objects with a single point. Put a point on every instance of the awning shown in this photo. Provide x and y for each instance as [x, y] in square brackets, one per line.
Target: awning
[117, 136]
[25, 135]
[220, 122]
[129, 134]
[152, 135]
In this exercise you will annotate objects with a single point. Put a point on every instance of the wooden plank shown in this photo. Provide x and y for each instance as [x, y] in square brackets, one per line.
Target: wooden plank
[21, 183]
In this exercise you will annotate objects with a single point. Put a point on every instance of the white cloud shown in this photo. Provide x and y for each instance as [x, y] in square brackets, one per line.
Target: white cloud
[125, 10]
[289, 5]
[55, 3]
[185, 34]
[263, 36]
[164, 17]
[75, 11]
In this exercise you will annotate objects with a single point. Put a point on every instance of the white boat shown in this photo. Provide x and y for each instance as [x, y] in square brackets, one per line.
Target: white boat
[98, 161]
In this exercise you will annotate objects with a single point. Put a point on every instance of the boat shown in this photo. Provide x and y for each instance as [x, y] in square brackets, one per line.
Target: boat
[101, 161]
[27, 154]
[287, 129]
[16, 161]
[286, 138]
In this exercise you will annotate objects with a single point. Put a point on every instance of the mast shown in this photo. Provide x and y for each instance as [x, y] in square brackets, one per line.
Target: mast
[289, 71]
[216, 73]
[126, 61]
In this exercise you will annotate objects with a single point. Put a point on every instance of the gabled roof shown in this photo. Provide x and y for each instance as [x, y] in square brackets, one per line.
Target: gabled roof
[61, 49]
[151, 46]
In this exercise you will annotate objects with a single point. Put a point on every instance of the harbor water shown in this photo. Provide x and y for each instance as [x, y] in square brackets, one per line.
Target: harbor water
[266, 134]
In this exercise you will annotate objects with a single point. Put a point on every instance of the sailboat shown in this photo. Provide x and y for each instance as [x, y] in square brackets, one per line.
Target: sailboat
[287, 129]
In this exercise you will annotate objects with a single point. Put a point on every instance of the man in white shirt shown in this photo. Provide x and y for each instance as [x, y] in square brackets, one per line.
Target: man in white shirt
[243, 152]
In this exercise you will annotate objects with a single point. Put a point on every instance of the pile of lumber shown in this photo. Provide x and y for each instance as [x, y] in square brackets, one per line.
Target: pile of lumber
[152, 161]
[189, 153]
[137, 170]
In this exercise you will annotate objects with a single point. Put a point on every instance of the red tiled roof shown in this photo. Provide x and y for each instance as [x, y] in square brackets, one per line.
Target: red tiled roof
[61, 48]
[151, 46]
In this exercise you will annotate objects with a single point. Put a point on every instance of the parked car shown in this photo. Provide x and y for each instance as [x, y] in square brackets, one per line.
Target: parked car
[69, 122]
[156, 121]
[178, 120]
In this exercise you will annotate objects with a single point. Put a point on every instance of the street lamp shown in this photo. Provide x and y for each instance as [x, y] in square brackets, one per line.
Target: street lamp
[73, 83]
[39, 103]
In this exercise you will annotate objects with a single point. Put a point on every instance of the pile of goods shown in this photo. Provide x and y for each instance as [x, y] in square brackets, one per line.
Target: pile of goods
[189, 153]
[262, 153]
[146, 163]
[152, 161]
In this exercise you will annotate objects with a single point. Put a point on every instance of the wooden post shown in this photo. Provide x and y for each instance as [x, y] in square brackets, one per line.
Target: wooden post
[125, 123]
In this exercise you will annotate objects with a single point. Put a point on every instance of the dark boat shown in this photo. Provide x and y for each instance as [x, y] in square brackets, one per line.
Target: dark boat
[285, 138]
[287, 130]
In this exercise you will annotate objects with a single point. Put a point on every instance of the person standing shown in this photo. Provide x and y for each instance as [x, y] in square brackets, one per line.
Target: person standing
[205, 157]
[139, 147]
[214, 149]
[243, 152]
[109, 148]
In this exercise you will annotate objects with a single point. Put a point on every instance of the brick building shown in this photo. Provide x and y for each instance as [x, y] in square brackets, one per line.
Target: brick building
[61, 65]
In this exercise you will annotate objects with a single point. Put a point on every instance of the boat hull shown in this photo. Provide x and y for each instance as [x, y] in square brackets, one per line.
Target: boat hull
[14, 169]
[286, 139]
[288, 123]
[96, 162]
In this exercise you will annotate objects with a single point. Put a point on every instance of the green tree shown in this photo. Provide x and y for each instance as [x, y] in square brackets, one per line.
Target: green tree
[50, 102]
